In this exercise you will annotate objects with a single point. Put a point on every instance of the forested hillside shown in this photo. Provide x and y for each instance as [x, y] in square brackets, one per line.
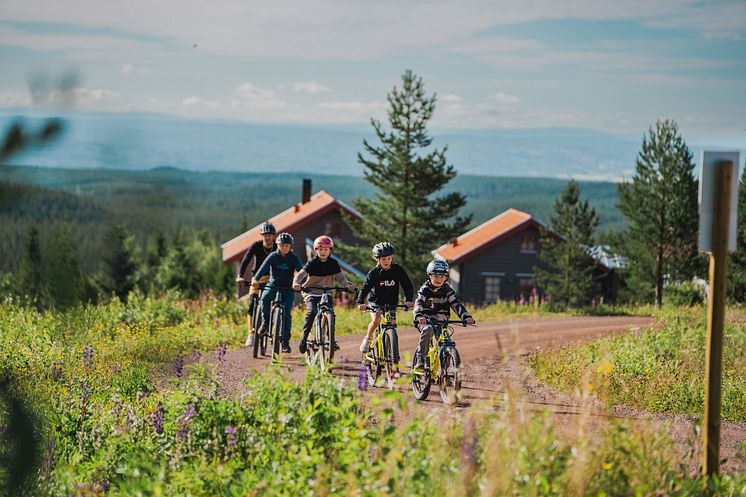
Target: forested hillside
[161, 200]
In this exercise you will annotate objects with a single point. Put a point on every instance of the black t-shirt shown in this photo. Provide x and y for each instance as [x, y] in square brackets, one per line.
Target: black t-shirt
[257, 251]
[383, 286]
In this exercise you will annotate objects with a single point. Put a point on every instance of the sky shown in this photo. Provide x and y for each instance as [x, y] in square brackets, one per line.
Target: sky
[608, 65]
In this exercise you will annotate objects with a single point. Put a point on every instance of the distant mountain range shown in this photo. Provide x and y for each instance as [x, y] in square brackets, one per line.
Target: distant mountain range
[144, 141]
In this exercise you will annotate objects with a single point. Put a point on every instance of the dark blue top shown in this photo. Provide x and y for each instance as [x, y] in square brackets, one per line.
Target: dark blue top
[280, 268]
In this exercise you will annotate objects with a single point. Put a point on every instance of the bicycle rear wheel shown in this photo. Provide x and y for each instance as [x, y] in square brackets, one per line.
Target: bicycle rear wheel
[260, 341]
[277, 321]
[389, 335]
[420, 383]
[449, 379]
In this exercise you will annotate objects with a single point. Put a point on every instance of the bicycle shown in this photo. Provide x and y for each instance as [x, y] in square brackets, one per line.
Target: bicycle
[381, 355]
[272, 333]
[320, 347]
[442, 363]
[260, 343]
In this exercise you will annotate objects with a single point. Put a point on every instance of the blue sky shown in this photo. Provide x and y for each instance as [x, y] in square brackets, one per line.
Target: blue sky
[614, 66]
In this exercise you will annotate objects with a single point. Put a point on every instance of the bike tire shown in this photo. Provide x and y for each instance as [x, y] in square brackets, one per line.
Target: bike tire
[277, 323]
[389, 335]
[449, 379]
[420, 383]
[258, 346]
[326, 347]
[372, 362]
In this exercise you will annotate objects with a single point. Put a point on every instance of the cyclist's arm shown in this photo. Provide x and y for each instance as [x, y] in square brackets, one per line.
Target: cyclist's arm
[342, 279]
[419, 306]
[458, 307]
[300, 277]
[246, 263]
[265, 267]
[367, 285]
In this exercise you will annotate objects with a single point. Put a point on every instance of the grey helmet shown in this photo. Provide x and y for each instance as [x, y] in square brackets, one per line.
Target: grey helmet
[438, 267]
[383, 249]
[267, 228]
[285, 238]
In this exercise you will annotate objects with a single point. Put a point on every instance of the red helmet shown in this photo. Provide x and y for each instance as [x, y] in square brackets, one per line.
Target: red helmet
[323, 241]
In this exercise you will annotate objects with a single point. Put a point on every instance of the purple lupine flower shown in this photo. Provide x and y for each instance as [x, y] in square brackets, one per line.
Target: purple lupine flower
[85, 391]
[179, 366]
[57, 371]
[115, 369]
[117, 409]
[156, 418]
[222, 351]
[362, 379]
[230, 430]
[196, 355]
[184, 421]
[88, 356]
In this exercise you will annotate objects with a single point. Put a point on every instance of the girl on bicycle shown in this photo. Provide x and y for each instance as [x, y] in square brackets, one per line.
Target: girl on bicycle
[382, 286]
[321, 270]
[435, 299]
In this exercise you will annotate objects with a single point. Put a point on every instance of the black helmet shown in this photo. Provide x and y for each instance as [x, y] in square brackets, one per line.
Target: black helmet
[285, 238]
[438, 267]
[267, 228]
[383, 249]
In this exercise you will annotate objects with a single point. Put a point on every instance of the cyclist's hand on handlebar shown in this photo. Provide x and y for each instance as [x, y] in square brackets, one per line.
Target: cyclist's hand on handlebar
[350, 287]
[296, 287]
[409, 305]
[422, 320]
[361, 307]
[254, 283]
[239, 279]
[470, 320]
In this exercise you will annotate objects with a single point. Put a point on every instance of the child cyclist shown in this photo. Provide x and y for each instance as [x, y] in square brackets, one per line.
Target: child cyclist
[321, 270]
[381, 286]
[252, 261]
[280, 265]
[435, 299]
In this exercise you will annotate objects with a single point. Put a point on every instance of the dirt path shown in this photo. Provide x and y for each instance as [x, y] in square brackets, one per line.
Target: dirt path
[494, 362]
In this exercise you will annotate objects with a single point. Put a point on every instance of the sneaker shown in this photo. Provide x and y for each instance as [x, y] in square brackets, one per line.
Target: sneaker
[364, 346]
[286, 348]
[250, 340]
[302, 347]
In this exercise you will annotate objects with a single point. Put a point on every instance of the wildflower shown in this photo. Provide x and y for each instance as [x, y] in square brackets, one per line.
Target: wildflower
[85, 391]
[607, 466]
[604, 367]
[57, 371]
[179, 366]
[222, 351]
[196, 355]
[589, 387]
[184, 421]
[230, 430]
[156, 418]
[88, 356]
[362, 379]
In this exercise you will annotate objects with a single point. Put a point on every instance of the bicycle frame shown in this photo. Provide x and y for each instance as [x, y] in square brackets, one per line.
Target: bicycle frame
[319, 342]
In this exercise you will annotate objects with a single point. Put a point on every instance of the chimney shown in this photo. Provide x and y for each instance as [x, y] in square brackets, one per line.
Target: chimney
[306, 191]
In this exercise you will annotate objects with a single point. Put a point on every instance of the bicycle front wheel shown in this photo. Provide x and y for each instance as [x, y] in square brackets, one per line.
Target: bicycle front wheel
[260, 341]
[389, 335]
[420, 383]
[326, 347]
[278, 319]
[449, 379]
[372, 361]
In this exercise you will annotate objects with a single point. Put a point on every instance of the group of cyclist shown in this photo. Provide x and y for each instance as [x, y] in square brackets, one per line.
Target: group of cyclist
[276, 268]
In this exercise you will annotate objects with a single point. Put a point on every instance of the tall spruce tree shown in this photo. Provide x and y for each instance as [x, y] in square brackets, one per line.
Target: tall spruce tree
[406, 209]
[30, 285]
[660, 204]
[119, 263]
[568, 278]
[737, 260]
[67, 283]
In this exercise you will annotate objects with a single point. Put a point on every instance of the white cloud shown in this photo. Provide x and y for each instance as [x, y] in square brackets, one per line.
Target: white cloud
[248, 95]
[352, 106]
[14, 99]
[310, 87]
[199, 102]
[129, 69]
[507, 99]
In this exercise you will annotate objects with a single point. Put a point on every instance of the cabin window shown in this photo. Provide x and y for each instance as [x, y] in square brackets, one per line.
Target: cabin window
[491, 289]
[529, 244]
[333, 228]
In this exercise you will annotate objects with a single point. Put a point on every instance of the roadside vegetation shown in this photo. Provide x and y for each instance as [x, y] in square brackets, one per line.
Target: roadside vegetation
[89, 375]
[659, 370]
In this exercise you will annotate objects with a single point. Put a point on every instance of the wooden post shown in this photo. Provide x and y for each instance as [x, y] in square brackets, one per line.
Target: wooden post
[716, 315]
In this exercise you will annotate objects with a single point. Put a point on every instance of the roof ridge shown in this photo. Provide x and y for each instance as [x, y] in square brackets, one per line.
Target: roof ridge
[463, 236]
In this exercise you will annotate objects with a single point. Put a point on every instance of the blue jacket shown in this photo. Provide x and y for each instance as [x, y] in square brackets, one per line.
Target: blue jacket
[280, 268]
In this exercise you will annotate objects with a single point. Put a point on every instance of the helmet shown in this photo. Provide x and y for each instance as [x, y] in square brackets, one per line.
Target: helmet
[285, 238]
[383, 249]
[267, 228]
[438, 267]
[323, 241]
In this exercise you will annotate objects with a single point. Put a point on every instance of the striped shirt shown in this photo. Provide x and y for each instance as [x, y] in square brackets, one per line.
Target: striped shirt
[436, 303]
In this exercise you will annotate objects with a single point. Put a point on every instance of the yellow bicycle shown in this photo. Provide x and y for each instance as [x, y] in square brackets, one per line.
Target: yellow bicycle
[442, 364]
[382, 354]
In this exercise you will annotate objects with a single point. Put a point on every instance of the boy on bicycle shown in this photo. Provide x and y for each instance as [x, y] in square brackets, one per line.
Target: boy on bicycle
[381, 286]
[280, 265]
[321, 270]
[435, 299]
[252, 261]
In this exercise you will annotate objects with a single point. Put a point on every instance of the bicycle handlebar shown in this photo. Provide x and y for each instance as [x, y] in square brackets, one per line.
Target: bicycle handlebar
[267, 285]
[328, 288]
[385, 307]
[447, 321]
